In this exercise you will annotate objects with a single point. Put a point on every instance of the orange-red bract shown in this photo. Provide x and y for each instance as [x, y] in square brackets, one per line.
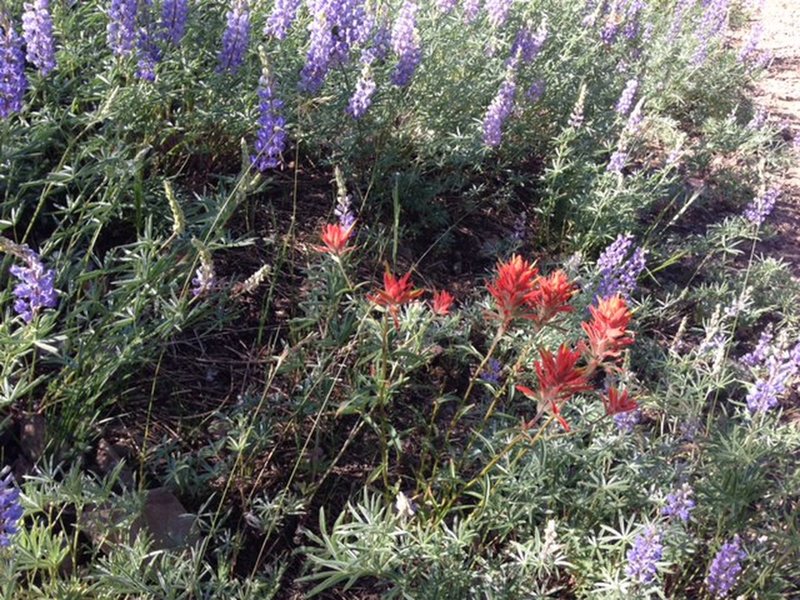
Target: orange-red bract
[442, 301]
[608, 329]
[616, 402]
[334, 239]
[559, 379]
[553, 292]
[513, 288]
[395, 293]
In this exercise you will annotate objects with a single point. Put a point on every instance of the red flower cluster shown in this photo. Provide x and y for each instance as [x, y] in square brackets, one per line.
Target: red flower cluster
[560, 376]
[395, 293]
[334, 239]
[608, 329]
[442, 301]
[521, 292]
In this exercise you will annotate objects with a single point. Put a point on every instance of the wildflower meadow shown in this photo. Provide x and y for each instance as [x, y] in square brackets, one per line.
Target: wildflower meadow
[422, 299]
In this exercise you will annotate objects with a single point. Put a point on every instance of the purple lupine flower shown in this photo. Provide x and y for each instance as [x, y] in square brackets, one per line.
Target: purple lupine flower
[204, 279]
[632, 11]
[536, 91]
[680, 503]
[446, 6]
[714, 18]
[281, 18]
[35, 289]
[753, 40]
[492, 372]
[121, 32]
[618, 275]
[527, 44]
[498, 11]
[344, 211]
[780, 368]
[615, 14]
[173, 19]
[147, 50]
[626, 421]
[635, 119]
[725, 568]
[10, 508]
[760, 352]
[236, 37]
[761, 206]
[499, 110]
[362, 98]
[406, 45]
[576, 116]
[271, 137]
[337, 26]
[679, 13]
[617, 162]
[37, 29]
[379, 44]
[644, 555]
[471, 9]
[12, 70]
[625, 101]
[759, 119]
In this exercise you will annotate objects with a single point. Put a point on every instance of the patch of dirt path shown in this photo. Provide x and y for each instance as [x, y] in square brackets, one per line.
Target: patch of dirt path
[779, 93]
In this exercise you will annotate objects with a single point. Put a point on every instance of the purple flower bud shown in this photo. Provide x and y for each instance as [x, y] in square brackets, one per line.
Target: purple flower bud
[781, 367]
[492, 372]
[528, 44]
[121, 32]
[498, 11]
[626, 421]
[446, 6]
[760, 208]
[362, 98]
[281, 18]
[204, 279]
[37, 29]
[644, 555]
[623, 106]
[271, 137]
[759, 353]
[725, 568]
[536, 91]
[12, 70]
[35, 289]
[680, 503]
[10, 508]
[471, 9]
[236, 37]
[173, 19]
[617, 162]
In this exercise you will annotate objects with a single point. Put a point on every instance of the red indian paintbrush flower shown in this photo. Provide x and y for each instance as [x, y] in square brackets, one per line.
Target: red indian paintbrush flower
[335, 238]
[559, 379]
[608, 329]
[395, 293]
[514, 288]
[442, 301]
[552, 295]
[616, 403]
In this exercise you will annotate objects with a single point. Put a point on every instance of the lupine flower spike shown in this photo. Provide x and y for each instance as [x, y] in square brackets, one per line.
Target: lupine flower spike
[236, 37]
[35, 289]
[680, 504]
[442, 302]
[121, 33]
[12, 69]
[335, 238]
[644, 555]
[10, 508]
[173, 19]
[725, 568]
[395, 293]
[271, 137]
[37, 29]
[406, 44]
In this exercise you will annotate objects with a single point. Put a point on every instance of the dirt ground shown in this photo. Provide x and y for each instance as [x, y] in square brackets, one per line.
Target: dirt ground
[779, 93]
